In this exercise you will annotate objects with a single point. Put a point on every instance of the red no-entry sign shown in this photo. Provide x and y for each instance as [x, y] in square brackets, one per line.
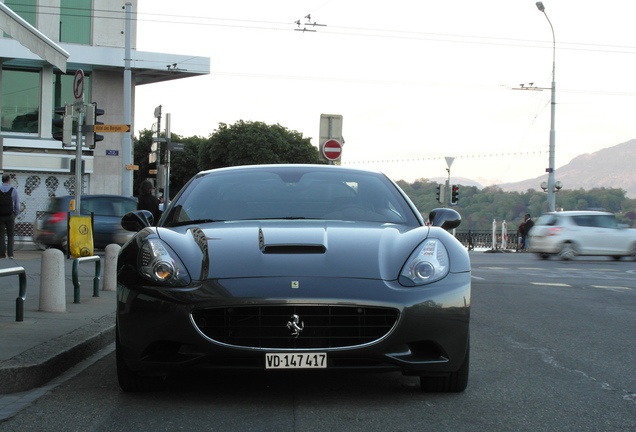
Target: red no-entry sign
[332, 150]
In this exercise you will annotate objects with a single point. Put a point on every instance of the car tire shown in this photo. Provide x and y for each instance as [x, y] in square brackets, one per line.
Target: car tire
[632, 251]
[568, 251]
[131, 381]
[454, 382]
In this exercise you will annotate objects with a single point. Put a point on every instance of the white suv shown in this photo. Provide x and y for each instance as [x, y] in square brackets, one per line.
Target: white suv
[570, 233]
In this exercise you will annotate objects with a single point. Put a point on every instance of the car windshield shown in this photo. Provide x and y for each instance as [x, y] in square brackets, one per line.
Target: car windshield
[107, 206]
[290, 193]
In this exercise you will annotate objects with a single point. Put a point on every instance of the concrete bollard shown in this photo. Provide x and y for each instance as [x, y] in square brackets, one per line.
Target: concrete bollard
[52, 282]
[110, 267]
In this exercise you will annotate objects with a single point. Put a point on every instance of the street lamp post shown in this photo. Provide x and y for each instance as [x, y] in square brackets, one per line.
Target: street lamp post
[551, 174]
[557, 186]
[447, 192]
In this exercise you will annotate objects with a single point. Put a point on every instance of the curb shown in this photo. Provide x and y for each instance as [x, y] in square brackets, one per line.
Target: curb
[41, 364]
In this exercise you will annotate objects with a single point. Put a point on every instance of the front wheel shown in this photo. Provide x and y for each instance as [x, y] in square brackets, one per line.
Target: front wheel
[454, 382]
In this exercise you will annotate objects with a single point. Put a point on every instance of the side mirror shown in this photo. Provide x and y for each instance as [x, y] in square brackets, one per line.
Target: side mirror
[137, 220]
[445, 218]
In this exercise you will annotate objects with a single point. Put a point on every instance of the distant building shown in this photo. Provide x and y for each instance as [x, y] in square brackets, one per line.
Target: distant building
[92, 32]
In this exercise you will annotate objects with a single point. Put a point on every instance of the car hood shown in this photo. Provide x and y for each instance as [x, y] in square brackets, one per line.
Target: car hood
[296, 248]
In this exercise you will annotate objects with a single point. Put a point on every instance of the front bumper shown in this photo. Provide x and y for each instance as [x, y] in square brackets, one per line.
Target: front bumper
[160, 330]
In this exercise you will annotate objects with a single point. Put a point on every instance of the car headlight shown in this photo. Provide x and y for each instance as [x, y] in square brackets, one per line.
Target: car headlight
[428, 263]
[160, 264]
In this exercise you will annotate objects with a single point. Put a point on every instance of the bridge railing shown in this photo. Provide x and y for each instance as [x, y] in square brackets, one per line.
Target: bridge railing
[498, 238]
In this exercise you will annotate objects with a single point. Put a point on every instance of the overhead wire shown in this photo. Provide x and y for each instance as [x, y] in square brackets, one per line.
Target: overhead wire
[345, 31]
[349, 31]
[401, 34]
[488, 155]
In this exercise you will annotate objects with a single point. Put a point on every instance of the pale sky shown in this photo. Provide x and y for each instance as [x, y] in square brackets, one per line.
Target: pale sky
[415, 80]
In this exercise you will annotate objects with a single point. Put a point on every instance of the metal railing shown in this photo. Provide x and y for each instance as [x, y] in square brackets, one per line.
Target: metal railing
[98, 275]
[495, 239]
[19, 302]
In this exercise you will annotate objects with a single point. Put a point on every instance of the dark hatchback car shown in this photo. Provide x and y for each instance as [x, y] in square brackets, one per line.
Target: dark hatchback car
[51, 229]
[285, 267]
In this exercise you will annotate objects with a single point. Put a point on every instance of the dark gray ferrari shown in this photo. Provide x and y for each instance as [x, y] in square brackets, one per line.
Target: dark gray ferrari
[284, 267]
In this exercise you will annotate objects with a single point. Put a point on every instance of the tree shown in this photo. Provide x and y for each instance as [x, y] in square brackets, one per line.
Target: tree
[184, 164]
[478, 208]
[259, 143]
[246, 143]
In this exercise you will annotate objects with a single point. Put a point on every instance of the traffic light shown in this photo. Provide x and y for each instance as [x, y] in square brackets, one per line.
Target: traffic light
[441, 193]
[152, 170]
[63, 126]
[90, 137]
[454, 194]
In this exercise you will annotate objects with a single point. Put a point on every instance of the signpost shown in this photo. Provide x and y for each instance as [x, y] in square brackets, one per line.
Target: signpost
[111, 128]
[331, 140]
[330, 127]
[175, 146]
[78, 94]
[80, 235]
[332, 150]
[78, 86]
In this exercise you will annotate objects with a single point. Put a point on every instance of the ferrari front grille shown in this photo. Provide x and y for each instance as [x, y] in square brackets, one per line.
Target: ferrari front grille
[296, 327]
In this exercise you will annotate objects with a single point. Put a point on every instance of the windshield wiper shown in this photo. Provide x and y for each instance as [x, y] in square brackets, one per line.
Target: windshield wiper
[285, 218]
[202, 221]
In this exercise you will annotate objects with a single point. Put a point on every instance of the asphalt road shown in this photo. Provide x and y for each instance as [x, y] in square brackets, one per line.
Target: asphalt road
[553, 349]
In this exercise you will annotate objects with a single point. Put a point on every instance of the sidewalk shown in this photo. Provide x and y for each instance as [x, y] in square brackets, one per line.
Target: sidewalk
[45, 344]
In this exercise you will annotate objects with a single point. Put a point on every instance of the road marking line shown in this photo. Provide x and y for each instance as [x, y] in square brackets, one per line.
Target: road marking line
[530, 268]
[607, 270]
[611, 287]
[550, 284]
[494, 268]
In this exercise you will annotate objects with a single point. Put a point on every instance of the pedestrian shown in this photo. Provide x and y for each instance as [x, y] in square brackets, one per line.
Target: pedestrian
[527, 226]
[147, 201]
[520, 237]
[9, 209]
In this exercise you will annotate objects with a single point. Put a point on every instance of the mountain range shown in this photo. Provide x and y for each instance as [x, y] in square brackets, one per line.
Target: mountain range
[611, 167]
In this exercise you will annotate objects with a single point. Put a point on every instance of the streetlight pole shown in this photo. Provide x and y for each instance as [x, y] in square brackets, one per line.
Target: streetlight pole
[447, 191]
[550, 170]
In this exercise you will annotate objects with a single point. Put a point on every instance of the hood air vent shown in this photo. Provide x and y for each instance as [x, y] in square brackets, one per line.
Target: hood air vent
[294, 249]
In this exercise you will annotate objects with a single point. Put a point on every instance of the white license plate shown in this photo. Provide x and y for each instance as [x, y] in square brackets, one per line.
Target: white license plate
[296, 361]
